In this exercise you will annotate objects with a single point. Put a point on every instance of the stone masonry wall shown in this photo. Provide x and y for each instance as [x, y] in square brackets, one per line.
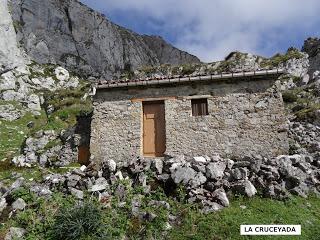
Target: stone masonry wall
[238, 125]
[116, 130]
[245, 119]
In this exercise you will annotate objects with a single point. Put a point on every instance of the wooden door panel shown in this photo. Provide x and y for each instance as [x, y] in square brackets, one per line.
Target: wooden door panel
[160, 131]
[84, 154]
[149, 136]
[153, 129]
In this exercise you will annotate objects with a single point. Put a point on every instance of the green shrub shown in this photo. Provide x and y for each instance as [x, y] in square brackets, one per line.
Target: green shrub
[148, 70]
[82, 221]
[63, 115]
[308, 113]
[188, 69]
[289, 96]
[23, 193]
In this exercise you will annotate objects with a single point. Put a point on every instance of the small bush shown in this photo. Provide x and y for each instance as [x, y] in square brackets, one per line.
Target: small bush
[188, 69]
[63, 115]
[308, 113]
[78, 222]
[289, 97]
[148, 70]
[23, 193]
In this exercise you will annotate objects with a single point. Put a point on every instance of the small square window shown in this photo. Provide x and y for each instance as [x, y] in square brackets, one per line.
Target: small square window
[199, 107]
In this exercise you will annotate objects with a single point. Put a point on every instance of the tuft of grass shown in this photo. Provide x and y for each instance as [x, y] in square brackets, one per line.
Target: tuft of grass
[78, 222]
[25, 194]
[17, 25]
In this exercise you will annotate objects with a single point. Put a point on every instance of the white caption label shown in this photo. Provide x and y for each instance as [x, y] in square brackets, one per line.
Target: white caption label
[270, 229]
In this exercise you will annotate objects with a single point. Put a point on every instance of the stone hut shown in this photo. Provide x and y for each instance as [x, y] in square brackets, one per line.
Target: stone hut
[235, 115]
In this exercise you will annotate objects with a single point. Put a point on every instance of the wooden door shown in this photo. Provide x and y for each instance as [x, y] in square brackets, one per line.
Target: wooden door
[84, 155]
[154, 130]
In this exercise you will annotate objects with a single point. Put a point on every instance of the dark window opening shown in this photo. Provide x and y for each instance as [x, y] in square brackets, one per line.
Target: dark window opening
[199, 107]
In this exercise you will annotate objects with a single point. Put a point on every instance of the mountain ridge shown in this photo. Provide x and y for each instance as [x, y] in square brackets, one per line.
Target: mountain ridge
[70, 34]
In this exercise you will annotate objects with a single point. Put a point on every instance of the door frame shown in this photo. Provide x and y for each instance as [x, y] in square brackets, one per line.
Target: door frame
[153, 101]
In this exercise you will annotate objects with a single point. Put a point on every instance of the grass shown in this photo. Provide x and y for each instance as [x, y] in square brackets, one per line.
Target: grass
[35, 173]
[14, 133]
[68, 105]
[7, 170]
[80, 221]
[226, 223]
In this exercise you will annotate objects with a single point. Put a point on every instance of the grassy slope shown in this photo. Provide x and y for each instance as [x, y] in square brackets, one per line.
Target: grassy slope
[15, 132]
[67, 104]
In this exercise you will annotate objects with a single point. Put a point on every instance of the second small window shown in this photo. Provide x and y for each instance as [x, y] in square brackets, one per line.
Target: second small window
[199, 107]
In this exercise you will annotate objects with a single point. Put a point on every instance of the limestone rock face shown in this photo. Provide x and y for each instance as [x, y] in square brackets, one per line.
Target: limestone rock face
[167, 53]
[10, 55]
[312, 48]
[72, 35]
[297, 67]
[10, 113]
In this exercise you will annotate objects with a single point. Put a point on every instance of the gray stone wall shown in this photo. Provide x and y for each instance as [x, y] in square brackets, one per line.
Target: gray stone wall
[238, 125]
[116, 130]
[245, 118]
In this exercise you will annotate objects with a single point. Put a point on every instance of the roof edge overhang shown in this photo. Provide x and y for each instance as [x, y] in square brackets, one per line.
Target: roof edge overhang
[274, 73]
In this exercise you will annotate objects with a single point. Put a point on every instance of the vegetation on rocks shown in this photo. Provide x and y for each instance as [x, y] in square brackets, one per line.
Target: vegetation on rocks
[59, 110]
[63, 107]
[278, 59]
[13, 133]
[302, 102]
[64, 217]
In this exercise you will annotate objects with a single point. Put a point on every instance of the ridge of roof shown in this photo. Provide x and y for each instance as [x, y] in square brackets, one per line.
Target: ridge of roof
[187, 78]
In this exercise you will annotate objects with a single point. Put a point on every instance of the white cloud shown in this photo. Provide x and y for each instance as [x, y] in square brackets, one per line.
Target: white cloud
[212, 28]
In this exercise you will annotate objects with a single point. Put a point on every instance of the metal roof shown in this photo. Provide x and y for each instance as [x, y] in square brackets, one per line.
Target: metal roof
[185, 79]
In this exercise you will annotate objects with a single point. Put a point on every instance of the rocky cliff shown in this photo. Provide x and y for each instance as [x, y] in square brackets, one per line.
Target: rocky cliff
[312, 48]
[10, 54]
[72, 35]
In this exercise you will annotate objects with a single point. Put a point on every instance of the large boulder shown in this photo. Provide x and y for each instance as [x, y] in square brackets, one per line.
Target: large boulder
[198, 180]
[221, 196]
[245, 188]
[3, 204]
[19, 204]
[61, 74]
[8, 81]
[215, 170]
[183, 175]
[34, 102]
[15, 233]
[9, 113]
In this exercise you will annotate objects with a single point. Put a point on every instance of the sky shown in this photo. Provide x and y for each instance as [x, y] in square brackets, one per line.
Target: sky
[211, 29]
